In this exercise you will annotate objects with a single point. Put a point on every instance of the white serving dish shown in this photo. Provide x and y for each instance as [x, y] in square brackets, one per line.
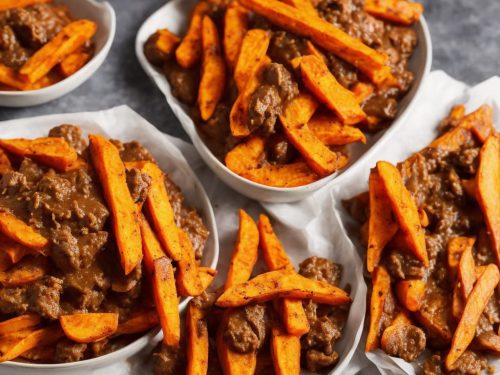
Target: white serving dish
[101, 13]
[124, 124]
[175, 15]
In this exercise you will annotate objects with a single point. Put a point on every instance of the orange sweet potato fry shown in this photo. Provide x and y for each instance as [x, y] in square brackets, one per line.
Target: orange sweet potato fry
[474, 307]
[111, 172]
[245, 251]
[452, 140]
[324, 34]
[381, 281]
[53, 152]
[411, 293]
[284, 175]
[190, 50]
[362, 91]
[304, 5]
[253, 52]
[300, 110]
[207, 276]
[161, 46]
[19, 231]
[457, 302]
[11, 4]
[89, 327]
[456, 247]
[285, 351]
[320, 81]
[489, 341]
[480, 122]
[5, 165]
[488, 189]
[10, 77]
[282, 284]
[15, 251]
[235, 28]
[405, 209]
[42, 337]
[213, 70]
[188, 278]
[467, 272]
[165, 295]
[73, 63]
[151, 247]
[313, 50]
[139, 322]
[330, 131]
[381, 225]
[247, 155]
[19, 323]
[197, 341]
[26, 271]
[399, 11]
[67, 41]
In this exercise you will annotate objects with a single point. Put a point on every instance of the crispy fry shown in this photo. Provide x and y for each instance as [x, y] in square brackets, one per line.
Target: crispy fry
[381, 281]
[452, 140]
[285, 351]
[213, 70]
[304, 5]
[284, 175]
[480, 122]
[381, 225]
[20, 232]
[11, 4]
[329, 130]
[125, 218]
[188, 278]
[19, 323]
[293, 314]
[245, 251]
[253, 52]
[320, 81]
[405, 209]
[282, 284]
[197, 341]
[399, 11]
[362, 91]
[10, 77]
[467, 271]
[456, 247]
[53, 152]
[73, 63]
[489, 341]
[67, 41]
[411, 293]
[457, 302]
[207, 276]
[313, 50]
[41, 337]
[5, 165]
[324, 34]
[15, 251]
[150, 245]
[474, 307]
[165, 294]
[435, 314]
[235, 27]
[247, 155]
[190, 50]
[488, 189]
[89, 327]
[139, 322]
[26, 271]
[300, 109]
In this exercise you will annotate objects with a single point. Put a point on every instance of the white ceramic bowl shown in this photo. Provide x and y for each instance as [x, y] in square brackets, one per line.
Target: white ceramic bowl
[124, 124]
[175, 16]
[101, 13]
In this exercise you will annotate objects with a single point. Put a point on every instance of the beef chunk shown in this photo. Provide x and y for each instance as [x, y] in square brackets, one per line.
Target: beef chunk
[183, 82]
[264, 108]
[280, 150]
[404, 266]
[405, 341]
[72, 134]
[66, 253]
[381, 107]
[169, 361]
[155, 55]
[69, 351]
[278, 76]
[246, 329]
[284, 47]
[321, 269]
[470, 363]
[138, 184]
[13, 300]
[317, 360]
[13, 182]
[44, 296]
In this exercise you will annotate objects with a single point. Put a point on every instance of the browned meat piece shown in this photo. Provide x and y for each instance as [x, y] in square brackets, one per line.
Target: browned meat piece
[44, 296]
[69, 351]
[403, 266]
[13, 300]
[169, 361]
[470, 363]
[72, 134]
[317, 361]
[100, 348]
[323, 334]
[321, 269]
[284, 47]
[404, 38]
[138, 184]
[278, 76]
[405, 341]
[433, 365]
[183, 82]
[13, 182]
[264, 108]
[65, 250]
[247, 329]
[133, 151]
[344, 72]
[381, 107]
[280, 150]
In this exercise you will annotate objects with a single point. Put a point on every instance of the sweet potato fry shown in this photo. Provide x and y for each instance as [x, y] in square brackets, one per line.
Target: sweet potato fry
[284, 175]
[10, 77]
[381, 281]
[435, 314]
[165, 295]
[15, 251]
[150, 245]
[19, 231]
[189, 51]
[411, 293]
[19, 323]
[207, 276]
[213, 70]
[488, 189]
[53, 152]
[474, 307]
[73, 63]
[293, 314]
[41, 337]
[330, 131]
[456, 247]
[89, 327]
[161, 46]
[245, 251]
[188, 278]
[489, 341]
[304, 5]
[311, 49]
[282, 284]
[247, 155]
[480, 122]
[26, 271]
[452, 140]
[125, 218]
[324, 34]
[405, 209]
[285, 351]
[11, 4]
[235, 27]
[362, 91]
[197, 341]
[320, 81]
[457, 302]
[319, 157]
[5, 165]
[253, 51]
[67, 41]
[139, 322]
[399, 11]
[381, 225]
[467, 272]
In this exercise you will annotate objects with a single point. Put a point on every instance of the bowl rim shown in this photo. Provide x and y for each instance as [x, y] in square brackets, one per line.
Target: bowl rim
[131, 349]
[330, 179]
[105, 7]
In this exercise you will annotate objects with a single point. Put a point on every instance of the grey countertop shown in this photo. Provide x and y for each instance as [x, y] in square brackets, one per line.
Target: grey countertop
[465, 36]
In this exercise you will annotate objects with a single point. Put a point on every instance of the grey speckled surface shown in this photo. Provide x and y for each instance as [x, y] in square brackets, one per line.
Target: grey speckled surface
[465, 36]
